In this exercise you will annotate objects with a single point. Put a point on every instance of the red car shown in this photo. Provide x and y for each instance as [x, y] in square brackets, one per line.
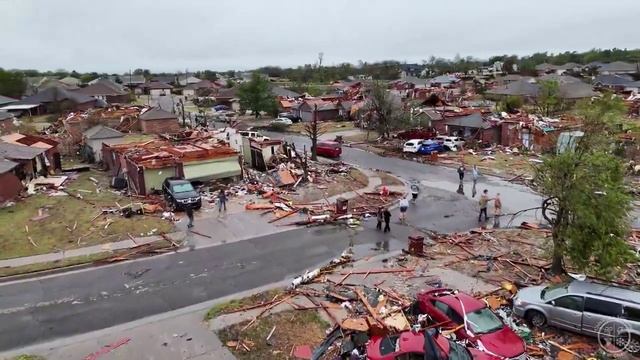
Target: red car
[481, 326]
[411, 345]
[331, 149]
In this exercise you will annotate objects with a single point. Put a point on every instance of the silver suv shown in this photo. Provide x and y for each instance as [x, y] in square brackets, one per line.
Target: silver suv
[584, 307]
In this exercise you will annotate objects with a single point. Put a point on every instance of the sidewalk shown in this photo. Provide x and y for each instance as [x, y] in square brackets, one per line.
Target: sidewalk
[234, 225]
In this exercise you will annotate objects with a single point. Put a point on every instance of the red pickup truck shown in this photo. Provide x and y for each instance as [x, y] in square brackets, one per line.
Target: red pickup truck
[331, 149]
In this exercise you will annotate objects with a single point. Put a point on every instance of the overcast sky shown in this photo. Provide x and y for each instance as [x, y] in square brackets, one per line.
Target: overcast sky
[162, 35]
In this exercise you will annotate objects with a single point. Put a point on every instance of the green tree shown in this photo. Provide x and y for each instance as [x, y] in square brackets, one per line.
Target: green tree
[586, 199]
[510, 104]
[87, 77]
[548, 100]
[255, 95]
[209, 75]
[12, 84]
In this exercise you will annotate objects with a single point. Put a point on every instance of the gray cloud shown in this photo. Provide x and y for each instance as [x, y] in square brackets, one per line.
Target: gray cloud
[116, 35]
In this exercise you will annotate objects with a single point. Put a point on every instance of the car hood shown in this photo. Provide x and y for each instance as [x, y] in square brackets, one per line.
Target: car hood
[186, 195]
[530, 294]
[503, 342]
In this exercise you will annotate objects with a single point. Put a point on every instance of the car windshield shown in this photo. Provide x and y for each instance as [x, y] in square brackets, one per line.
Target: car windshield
[553, 291]
[180, 188]
[458, 352]
[483, 321]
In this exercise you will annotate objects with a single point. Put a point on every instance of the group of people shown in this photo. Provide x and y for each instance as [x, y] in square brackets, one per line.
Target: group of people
[222, 207]
[484, 200]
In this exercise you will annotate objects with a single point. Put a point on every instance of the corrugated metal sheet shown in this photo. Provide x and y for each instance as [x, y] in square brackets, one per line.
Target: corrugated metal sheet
[216, 169]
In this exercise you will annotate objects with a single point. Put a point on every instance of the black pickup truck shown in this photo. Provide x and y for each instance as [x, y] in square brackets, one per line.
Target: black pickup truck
[179, 193]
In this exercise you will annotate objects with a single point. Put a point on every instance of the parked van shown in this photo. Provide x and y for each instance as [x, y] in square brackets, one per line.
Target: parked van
[331, 149]
[252, 135]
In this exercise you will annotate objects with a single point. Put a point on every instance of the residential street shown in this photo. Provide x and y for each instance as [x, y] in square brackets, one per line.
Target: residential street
[43, 309]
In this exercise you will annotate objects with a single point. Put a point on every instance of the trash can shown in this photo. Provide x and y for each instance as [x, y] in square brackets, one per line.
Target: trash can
[342, 206]
[416, 245]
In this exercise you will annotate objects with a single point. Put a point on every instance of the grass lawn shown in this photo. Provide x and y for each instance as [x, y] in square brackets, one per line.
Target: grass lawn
[76, 260]
[504, 164]
[57, 232]
[27, 357]
[133, 138]
[234, 304]
[292, 328]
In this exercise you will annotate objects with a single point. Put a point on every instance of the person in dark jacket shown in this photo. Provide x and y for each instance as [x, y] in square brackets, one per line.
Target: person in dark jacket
[189, 211]
[461, 172]
[387, 219]
[379, 216]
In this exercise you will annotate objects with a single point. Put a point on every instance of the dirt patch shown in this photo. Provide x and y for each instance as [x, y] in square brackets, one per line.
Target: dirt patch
[292, 328]
[388, 179]
[353, 180]
[236, 304]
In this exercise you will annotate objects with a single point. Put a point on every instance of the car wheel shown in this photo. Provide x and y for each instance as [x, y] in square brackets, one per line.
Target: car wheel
[629, 343]
[536, 318]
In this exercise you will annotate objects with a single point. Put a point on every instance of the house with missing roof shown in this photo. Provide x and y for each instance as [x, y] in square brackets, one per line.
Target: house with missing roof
[323, 110]
[52, 157]
[158, 121]
[31, 160]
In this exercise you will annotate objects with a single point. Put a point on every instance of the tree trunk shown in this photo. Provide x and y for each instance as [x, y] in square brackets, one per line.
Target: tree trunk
[557, 266]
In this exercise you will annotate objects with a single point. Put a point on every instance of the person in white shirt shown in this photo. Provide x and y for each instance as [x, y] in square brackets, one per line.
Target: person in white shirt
[404, 206]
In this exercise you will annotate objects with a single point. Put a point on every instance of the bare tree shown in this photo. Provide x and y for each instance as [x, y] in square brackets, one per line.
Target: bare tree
[313, 130]
[384, 112]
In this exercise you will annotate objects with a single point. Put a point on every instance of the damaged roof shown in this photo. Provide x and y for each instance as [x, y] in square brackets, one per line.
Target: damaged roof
[5, 115]
[157, 114]
[5, 100]
[618, 66]
[19, 152]
[156, 85]
[6, 165]
[521, 87]
[284, 92]
[102, 132]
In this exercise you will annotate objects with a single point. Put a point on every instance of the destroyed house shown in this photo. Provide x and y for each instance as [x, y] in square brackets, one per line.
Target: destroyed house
[146, 165]
[10, 185]
[55, 99]
[31, 160]
[51, 154]
[473, 127]
[258, 153]
[95, 137]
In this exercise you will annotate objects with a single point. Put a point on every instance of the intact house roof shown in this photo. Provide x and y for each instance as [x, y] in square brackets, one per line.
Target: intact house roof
[618, 66]
[103, 87]
[190, 80]
[521, 87]
[284, 92]
[156, 85]
[612, 80]
[578, 90]
[157, 114]
[415, 81]
[102, 132]
[53, 94]
[6, 165]
[71, 81]
[19, 152]
[225, 93]
[132, 79]
[559, 78]
[472, 121]
[443, 79]
[5, 100]
[204, 84]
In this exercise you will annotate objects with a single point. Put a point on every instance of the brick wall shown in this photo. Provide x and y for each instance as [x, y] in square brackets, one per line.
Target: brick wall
[10, 186]
[161, 126]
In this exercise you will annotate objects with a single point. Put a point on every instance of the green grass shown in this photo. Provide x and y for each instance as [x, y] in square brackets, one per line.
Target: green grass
[51, 234]
[327, 126]
[234, 304]
[133, 138]
[388, 179]
[76, 260]
[28, 357]
[292, 328]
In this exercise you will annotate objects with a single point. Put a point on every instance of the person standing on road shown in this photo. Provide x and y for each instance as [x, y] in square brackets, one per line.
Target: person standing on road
[222, 201]
[379, 216]
[461, 172]
[189, 211]
[387, 219]
[415, 190]
[497, 205]
[475, 174]
[483, 202]
[404, 206]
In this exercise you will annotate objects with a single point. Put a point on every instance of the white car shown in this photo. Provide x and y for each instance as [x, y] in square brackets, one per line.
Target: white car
[452, 143]
[412, 146]
[282, 121]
